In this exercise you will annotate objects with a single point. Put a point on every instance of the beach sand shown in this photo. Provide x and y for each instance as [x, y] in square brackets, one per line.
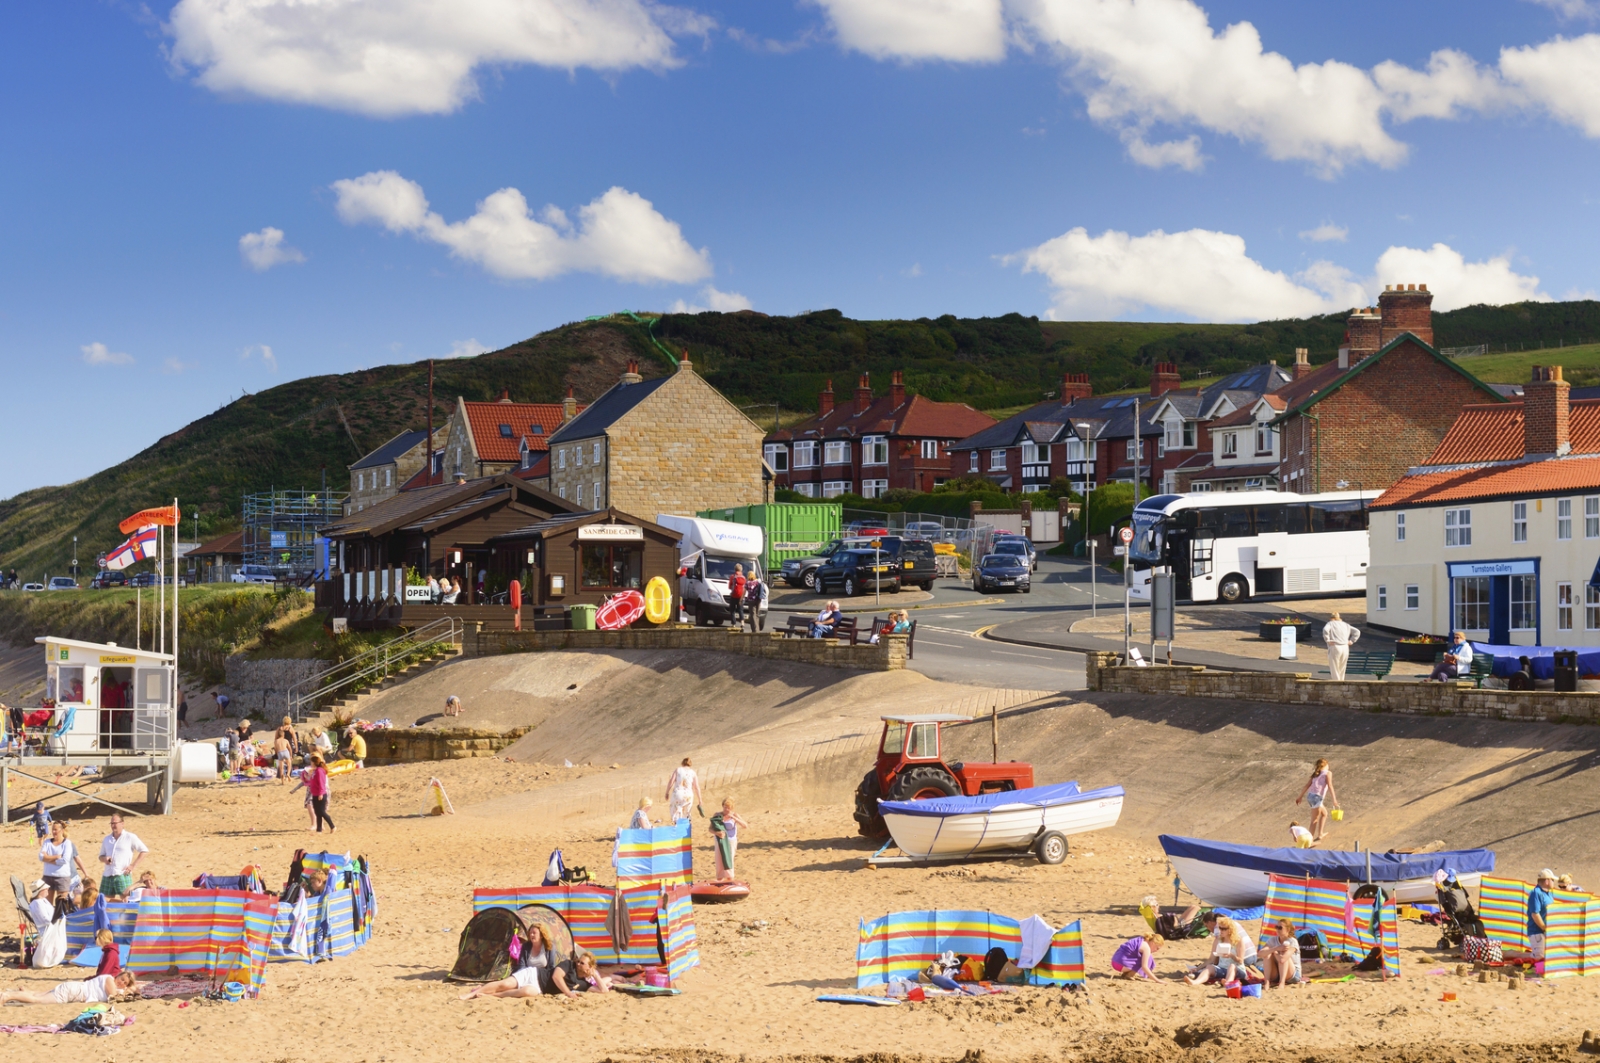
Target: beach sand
[763, 960]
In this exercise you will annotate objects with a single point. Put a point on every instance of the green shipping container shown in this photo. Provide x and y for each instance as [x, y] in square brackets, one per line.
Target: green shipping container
[793, 529]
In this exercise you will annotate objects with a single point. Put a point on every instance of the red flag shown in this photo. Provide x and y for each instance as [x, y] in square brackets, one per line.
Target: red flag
[166, 516]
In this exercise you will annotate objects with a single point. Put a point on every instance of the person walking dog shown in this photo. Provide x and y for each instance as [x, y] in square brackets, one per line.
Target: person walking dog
[1339, 636]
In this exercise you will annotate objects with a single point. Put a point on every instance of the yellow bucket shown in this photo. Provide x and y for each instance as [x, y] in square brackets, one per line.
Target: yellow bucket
[1337, 814]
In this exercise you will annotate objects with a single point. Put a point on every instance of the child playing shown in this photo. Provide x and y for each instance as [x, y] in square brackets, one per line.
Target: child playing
[110, 954]
[725, 834]
[281, 753]
[1136, 956]
[1302, 837]
[41, 823]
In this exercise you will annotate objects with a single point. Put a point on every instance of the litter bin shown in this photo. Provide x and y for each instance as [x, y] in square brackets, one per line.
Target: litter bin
[1566, 663]
[582, 617]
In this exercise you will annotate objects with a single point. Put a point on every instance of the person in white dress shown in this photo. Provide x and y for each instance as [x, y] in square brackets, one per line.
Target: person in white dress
[683, 792]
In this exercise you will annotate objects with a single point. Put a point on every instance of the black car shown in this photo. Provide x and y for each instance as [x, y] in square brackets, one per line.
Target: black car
[108, 578]
[857, 571]
[1002, 571]
[1020, 547]
[143, 579]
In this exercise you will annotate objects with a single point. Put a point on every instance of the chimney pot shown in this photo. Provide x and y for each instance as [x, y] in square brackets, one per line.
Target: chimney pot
[569, 406]
[825, 400]
[1075, 386]
[1546, 413]
[505, 395]
[631, 376]
[1422, 287]
[863, 395]
[897, 388]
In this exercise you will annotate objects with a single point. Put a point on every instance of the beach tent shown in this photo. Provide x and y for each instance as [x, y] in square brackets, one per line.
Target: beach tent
[660, 854]
[901, 944]
[484, 952]
[647, 924]
[217, 935]
[1346, 924]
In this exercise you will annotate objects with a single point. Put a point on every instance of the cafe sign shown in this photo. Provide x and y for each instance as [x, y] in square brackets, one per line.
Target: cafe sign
[610, 533]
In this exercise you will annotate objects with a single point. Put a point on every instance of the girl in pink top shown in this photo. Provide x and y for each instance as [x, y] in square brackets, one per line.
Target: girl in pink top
[316, 780]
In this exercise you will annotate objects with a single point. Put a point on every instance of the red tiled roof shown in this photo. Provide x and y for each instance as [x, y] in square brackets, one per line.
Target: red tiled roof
[1494, 433]
[1539, 477]
[485, 419]
[915, 416]
[1243, 415]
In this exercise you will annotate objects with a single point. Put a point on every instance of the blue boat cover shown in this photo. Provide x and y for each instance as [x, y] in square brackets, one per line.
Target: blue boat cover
[1037, 796]
[1541, 657]
[1332, 865]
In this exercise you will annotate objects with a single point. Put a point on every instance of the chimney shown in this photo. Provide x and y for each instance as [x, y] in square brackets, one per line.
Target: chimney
[1075, 386]
[825, 400]
[863, 395]
[1406, 308]
[1164, 379]
[632, 375]
[1545, 413]
[1364, 334]
[505, 395]
[897, 389]
[461, 477]
[569, 407]
[684, 365]
[1302, 362]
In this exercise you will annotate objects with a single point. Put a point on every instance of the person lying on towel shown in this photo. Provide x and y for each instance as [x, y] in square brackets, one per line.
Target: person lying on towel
[100, 989]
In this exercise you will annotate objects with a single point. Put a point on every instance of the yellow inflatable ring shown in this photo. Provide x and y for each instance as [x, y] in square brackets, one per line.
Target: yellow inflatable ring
[657, 601]
[341, 767]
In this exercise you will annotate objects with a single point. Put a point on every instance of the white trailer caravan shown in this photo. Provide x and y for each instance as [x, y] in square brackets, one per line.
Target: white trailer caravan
[708, 550]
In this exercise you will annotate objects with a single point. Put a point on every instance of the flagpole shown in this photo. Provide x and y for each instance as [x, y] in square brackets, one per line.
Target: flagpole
[161, 589]
[175, 604]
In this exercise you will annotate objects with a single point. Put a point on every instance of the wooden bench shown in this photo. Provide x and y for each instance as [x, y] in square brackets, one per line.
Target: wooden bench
[800, 627]
[881, 623]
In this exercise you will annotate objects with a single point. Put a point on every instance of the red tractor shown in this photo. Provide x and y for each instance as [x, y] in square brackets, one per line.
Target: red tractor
[911, 767]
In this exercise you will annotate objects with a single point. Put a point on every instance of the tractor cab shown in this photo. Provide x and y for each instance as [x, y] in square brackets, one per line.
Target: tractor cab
[911, 767]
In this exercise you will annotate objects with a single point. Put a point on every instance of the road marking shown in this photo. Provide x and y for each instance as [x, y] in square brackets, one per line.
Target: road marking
[1013, 653]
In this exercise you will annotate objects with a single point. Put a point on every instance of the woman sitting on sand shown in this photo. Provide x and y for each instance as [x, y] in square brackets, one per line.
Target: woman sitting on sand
[641, 815]
[1231, 951]
[1281, 955]
[101, 989]
[1136, 956]
[535, 977]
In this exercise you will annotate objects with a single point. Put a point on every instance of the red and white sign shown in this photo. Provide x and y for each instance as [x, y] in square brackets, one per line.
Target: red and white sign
[1126, 535]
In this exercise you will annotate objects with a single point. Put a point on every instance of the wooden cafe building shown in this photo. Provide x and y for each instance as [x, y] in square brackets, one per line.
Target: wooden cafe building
[480, 535]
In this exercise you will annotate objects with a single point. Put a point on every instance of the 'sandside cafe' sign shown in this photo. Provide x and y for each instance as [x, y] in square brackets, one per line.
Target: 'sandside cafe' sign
[610, 533]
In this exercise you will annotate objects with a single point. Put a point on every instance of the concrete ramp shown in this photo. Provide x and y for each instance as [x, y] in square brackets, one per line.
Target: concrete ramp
[1232, 770]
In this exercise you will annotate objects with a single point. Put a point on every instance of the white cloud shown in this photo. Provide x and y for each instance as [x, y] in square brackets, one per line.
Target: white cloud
[722, 302]
[264, 353]
[1325, 233]
[466, 349]
[1209, 276]
[99, 354]
[620, 234]
[1184, 154]
[956, 30]
[265, 249]
[172, 366]
[395, 57]
[914, 270]
[1561, 76]
[1571, 9]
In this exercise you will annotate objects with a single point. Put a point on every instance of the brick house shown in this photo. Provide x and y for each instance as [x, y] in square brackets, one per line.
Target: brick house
[870, 445]
[1495, 533]
[1382, 406]
[1189, 451]
[672, 444]
[1241, 455]
[384, 472]
[485, 438]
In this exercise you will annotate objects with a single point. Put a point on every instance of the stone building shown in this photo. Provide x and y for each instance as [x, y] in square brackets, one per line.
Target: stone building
[382, 473]
[485, 438]
[672, 444]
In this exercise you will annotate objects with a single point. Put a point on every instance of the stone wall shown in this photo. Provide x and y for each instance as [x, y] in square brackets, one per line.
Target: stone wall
[1298, 688]
[458, 743]
[888, 655]
[261, 688]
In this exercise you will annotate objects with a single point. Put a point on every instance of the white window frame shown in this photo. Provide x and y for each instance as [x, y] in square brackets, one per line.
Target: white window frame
[874, 488]
[1563, 606]
[388, 476]
[835, 488]
[1591, 517]
[599, 501]
[1463, 609]
[997, 460]
[1519, 522]
[1591, 607]
[1190, 435]
[1563, 518]
[1035, 453]
[1230, 444]
[809, 490]
[597, 452]
[1080, 450]
[577, 456]
[1201, 486]
[1413, 598]
[1399, 527]
[972, 461]
[1524, 600]
[1135, 448]
[777, 456]
[930, 450]
[579, 498]
[361, 481]
[1383, 597]
[874, 450]
[1173, 436]
[836, 452]
[1457, 527]
[805, 454]
[563, 459]
[1264, 437]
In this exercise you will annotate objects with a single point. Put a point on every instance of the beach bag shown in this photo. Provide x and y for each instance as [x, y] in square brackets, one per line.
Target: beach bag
[51, 951]
[994, 961]
[1374, 960]
[575, 874]
[973, 969]
[1480, 950]
[1313, 946]
[556, 870]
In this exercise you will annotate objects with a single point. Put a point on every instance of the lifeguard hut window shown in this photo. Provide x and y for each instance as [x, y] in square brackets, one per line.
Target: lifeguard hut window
[64, 684]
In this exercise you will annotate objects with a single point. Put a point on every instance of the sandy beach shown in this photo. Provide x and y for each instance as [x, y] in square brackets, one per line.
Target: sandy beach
[763, 960]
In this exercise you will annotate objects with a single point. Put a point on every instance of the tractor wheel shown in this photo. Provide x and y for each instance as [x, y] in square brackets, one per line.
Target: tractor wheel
[1051, 847]
[868, 822]
[919, 784]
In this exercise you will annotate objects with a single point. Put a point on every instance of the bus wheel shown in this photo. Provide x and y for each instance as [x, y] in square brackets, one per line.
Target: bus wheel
[1233, 589]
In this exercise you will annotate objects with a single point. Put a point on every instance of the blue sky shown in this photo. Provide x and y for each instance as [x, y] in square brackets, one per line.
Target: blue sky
[219, 195]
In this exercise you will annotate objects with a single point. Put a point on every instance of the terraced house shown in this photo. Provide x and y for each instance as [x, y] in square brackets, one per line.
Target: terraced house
[871, 444]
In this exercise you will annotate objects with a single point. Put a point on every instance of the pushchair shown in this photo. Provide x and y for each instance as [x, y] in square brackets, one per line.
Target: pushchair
[1458, 919]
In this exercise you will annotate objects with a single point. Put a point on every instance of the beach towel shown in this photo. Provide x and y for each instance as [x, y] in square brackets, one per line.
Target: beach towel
[724, 850]
[1036, 935]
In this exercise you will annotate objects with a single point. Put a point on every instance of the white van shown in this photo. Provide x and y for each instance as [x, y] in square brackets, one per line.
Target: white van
[708, 550]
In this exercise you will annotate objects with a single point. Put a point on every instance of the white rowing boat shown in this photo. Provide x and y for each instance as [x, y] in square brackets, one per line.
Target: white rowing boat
[1040, 817]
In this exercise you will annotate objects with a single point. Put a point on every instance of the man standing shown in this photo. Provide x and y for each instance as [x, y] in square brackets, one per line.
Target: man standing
[120, 852]
[1339, 636]
[1457, 660]
[1538, 910]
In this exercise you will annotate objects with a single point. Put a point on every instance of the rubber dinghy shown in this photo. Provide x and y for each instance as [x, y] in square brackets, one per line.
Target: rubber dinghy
[1039, 818]
[1235, 876]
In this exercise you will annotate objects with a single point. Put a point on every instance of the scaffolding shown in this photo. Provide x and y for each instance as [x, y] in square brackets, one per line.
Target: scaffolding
[280, 529]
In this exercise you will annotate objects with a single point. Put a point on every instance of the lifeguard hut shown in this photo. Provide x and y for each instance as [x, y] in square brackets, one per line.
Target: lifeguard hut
[110, 708]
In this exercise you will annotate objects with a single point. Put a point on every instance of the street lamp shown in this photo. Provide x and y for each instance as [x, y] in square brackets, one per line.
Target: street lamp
[74, 557]
[1083, 514]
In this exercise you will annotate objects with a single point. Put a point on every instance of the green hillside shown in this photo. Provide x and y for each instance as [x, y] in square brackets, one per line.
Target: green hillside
[287, 436]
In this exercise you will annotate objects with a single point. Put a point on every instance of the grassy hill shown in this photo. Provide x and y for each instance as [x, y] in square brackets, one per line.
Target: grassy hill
[287, 436]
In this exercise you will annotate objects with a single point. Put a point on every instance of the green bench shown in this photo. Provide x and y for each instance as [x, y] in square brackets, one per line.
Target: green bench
[1481, 668]
[1375, 663]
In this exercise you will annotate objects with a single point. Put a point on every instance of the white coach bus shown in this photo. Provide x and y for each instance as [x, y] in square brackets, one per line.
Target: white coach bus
[1229, 546]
